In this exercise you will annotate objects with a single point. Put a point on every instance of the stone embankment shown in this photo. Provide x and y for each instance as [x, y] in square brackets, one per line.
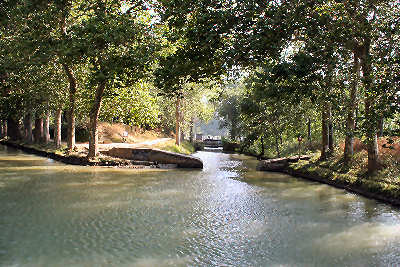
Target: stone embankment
[157, 156]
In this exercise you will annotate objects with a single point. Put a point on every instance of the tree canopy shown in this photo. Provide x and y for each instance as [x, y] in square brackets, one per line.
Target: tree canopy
[292, 67]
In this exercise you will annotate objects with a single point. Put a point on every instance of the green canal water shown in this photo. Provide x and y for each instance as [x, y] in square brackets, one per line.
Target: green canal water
[228, 214]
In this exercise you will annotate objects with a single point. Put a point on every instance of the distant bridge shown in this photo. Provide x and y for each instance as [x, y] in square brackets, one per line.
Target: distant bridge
[214, 143]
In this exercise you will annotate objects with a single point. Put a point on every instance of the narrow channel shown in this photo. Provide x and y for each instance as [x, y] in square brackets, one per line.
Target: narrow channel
[227, 214]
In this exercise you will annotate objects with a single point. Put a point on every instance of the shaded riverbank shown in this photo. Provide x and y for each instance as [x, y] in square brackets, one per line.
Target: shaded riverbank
[387, 191]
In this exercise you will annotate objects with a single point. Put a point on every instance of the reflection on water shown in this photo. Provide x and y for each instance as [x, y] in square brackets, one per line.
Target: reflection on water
[225, 215]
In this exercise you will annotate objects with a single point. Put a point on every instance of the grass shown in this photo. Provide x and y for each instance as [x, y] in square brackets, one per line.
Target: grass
[185, 147]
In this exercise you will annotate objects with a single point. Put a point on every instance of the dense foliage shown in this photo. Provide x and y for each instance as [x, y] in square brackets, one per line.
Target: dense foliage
[326, 71]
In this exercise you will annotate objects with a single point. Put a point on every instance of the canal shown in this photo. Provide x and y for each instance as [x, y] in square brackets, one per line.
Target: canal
[227, 214]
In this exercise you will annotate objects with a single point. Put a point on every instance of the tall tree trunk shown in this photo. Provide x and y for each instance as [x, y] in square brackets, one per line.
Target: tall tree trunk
[233, 133]
[277, 137]
[57, 130]
[278, 152]
[13, 130]
[325, 133]
[370, 114]
[181, 120]
[381, 125]
[46, 127]
[93, 124]
[72, 90]
[177, 122]
[331, 141]
[71, 109]
[262, 147]
[4, 128]
[327, 144]
[191, 131]
[372, 140]
[357, 115]
[28, 128]
[309, 131]
[39, 130]
[351, 112]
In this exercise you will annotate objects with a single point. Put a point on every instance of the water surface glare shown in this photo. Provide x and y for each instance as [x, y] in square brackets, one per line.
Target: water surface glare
[228, 214]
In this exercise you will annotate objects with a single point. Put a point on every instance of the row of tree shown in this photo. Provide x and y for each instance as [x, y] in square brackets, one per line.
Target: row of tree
[89, 42]
[89, 60]
[301, 59]
[338, 60]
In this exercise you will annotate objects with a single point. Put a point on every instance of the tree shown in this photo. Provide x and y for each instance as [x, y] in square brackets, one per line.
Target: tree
[367, 29]
[276, 105]
[194, 55]
[31, 62]
[135, 105]
[116, 46]
[218, 36]
[229, 109]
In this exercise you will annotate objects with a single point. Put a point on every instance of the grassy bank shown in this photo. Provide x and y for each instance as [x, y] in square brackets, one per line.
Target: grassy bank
[185, 147]
[383, 185]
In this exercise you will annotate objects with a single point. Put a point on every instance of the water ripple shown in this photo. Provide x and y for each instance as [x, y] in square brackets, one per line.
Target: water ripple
[225, 215]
